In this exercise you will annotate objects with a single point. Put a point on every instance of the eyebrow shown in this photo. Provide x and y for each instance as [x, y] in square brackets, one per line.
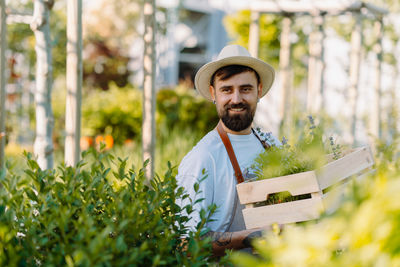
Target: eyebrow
[241, 86]
[246, 85]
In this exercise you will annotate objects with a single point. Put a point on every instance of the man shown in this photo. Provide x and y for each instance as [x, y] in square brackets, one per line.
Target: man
[234, 82]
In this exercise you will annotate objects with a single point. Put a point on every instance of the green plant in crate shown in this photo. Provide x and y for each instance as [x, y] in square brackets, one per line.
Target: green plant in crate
[308, 153]
[91, 216]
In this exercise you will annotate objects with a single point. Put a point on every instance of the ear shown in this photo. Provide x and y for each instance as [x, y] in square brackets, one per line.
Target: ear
[259, 90]
[212, 92]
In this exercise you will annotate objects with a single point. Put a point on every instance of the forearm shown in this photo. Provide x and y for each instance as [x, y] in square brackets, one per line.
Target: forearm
[232, 240]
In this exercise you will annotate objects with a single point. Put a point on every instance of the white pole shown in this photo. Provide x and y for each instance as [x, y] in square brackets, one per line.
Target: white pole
[43, 146]
[376, 105]
[315, 92]
[149, 94]
[254, 33]
[74, 82]
[3, 36]
[355, 59]
[285, 76]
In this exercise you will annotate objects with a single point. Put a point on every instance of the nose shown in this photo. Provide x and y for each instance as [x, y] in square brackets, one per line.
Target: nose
[236, 97]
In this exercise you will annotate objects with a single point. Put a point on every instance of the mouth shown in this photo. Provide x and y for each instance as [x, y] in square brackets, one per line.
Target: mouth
[237, 110]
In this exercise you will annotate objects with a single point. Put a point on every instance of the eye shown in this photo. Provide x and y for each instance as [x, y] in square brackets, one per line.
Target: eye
[247, 89]
[225, 89]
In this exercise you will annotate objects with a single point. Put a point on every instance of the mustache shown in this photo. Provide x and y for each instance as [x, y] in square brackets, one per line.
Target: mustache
[238, 105]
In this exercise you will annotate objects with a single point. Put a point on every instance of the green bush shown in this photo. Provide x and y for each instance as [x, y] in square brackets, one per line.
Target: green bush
[118, 112]
[93, 216]
[180, 109]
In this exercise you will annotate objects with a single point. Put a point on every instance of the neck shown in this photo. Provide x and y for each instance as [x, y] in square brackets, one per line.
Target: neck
[243, 132]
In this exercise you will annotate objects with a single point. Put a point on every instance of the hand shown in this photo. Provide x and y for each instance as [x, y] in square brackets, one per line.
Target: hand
[247, 241]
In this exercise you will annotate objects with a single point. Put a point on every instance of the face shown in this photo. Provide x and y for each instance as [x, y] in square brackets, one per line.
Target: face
[236, 101]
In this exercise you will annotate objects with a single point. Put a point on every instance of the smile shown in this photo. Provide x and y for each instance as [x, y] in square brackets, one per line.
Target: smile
[237, 109]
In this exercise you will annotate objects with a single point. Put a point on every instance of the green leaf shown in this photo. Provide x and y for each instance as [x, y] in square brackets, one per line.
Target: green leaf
[31, 195]
[196, 187]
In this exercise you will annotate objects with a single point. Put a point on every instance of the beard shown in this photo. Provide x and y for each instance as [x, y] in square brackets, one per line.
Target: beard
[237, 122]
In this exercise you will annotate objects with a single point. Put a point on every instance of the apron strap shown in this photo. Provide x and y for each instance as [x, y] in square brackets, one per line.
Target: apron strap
[263, 143]
[231, 153]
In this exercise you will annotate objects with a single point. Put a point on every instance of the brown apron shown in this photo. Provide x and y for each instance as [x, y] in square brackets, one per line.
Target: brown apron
[237, 221]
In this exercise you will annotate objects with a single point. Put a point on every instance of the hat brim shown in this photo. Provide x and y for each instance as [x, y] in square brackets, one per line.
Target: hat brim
[203, 75]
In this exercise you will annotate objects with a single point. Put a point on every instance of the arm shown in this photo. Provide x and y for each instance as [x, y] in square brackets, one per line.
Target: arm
[232, 240]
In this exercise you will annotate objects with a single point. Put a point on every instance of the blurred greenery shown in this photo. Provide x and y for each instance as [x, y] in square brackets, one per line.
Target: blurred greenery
[363, 232]
[182, 108]
[238, 25]
[118, 112]
[105, 59]
[20, 39]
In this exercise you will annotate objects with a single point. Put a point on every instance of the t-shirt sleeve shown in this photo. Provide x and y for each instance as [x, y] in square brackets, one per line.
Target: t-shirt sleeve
[196, 176]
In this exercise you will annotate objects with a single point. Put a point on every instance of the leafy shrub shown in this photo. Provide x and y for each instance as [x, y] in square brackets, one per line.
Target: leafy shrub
[92, 216]
[181, 109]
[118, 112]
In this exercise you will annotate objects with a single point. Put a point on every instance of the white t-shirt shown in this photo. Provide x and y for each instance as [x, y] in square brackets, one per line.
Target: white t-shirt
[219, 186]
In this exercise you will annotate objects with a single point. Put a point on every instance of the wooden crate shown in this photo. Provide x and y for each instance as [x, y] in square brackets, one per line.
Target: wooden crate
[333, 176]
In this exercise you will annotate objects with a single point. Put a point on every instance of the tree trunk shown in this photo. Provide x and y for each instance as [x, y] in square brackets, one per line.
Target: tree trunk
[74, 82]
[355, 58]
[3, 43]
[43, 146]
[285, 74]
[149, 95]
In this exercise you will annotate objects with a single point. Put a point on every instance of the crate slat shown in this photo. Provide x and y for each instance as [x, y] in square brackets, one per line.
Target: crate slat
[333, 198]
[283, 213]
[355, 162]
[344, 167]
[330, 157]
[295, 184]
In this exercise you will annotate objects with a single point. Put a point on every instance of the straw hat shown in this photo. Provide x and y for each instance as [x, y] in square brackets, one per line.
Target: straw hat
[233, 55]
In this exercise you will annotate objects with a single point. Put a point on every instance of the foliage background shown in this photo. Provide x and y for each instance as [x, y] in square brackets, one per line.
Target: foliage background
[118, 112]
[100, 213]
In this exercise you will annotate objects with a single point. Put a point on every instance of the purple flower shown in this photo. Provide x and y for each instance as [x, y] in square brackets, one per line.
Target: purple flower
[284, 141]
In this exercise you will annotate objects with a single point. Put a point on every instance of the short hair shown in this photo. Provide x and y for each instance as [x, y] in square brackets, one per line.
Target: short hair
[226, 72]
